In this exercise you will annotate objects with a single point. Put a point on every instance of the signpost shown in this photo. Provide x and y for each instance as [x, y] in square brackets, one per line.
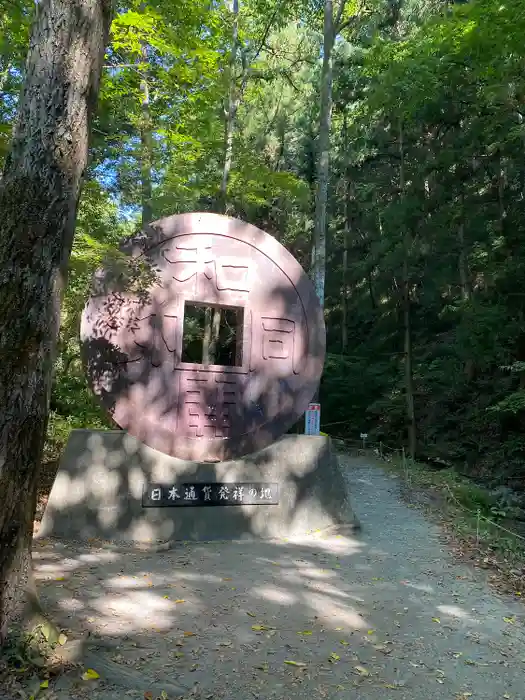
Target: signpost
[363, 437]
[312, 419]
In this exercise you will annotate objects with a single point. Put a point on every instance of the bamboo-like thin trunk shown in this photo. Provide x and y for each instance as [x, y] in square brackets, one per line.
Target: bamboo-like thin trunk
[464, 273]
[323, 166]
[346, 242]
[230, 111]
[212, 325]
[146, 146]
[407, 319]
[344, 298]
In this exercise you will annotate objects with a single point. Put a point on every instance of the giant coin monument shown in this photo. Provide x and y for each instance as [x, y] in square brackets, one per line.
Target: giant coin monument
[205, 342]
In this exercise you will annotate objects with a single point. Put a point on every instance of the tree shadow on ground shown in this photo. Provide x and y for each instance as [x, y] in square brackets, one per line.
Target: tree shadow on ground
[384, 614]
[263, 619]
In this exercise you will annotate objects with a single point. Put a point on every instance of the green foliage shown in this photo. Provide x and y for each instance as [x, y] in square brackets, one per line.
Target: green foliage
[427, 189]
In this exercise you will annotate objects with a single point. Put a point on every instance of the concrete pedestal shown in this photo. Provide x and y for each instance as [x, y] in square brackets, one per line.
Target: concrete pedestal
[102, 476]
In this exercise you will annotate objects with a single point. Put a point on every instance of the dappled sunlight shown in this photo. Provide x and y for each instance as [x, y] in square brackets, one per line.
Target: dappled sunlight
[454, 611]
[327, 590]
[49, 565]
[133, 592]
[366, 611]
[314, 573]
[334, 614]
[425, 588]
[275, 595]
[71, 604]
[337, 545]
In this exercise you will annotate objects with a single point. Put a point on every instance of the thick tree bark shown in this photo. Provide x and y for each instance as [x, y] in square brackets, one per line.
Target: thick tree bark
[39, 194]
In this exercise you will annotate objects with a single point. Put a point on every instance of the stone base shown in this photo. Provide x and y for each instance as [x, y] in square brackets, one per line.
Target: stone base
[98, 491]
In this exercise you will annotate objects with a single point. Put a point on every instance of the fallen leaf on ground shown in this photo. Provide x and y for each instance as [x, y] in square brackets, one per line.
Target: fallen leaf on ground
[305, 633]
[509, 620]
[189, 634]
[227, 578]
[259, 628]
[180, 600]
[62, 639]
[436, 619]
[334, 657]
[251, 614]
[361, 671]
[90, 675]
[148, 695]
[344, 643]
[295, 663]
[44, 684]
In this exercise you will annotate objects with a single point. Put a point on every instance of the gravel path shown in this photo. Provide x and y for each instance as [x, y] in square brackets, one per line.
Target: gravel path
[387, 614]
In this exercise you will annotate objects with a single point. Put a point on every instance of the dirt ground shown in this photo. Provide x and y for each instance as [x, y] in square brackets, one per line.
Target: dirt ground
[386, 614]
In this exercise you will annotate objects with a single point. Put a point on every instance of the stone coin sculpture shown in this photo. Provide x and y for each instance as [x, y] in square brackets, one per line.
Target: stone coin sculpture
[248, 371]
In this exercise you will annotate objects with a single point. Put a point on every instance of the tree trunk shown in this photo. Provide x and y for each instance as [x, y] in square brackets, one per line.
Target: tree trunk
[409, 374]
[230, 111]
[39, 195]
[501, 195]
[323, 163]
[464, 274]
[344, 299]
[346, 241]
[146, 146]
[212, 327]
[407, 321]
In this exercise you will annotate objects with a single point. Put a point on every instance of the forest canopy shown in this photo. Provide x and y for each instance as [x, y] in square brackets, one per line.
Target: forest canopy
[221, 106]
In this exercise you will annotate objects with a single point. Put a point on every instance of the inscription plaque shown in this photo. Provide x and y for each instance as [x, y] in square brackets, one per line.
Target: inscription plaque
[133, 329]
[210, 494]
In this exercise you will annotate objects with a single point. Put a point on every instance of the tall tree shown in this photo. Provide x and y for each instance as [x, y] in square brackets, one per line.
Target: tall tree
[331, 27]
[39, 194]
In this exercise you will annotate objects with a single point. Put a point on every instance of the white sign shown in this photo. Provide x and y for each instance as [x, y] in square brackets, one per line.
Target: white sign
[363, 436]
[312, 419]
